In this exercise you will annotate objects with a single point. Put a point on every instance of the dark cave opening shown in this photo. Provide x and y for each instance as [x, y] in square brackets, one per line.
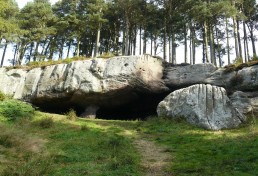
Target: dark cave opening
[143, 107]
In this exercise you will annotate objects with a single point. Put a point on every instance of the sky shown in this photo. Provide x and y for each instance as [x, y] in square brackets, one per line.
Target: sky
[22, 3]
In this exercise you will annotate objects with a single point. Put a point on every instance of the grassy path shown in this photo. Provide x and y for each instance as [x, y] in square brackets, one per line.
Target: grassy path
[154, 158]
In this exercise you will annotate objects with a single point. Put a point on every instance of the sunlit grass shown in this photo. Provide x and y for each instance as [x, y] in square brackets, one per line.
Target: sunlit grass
[102, 147]
[81, 147]
[199, 152]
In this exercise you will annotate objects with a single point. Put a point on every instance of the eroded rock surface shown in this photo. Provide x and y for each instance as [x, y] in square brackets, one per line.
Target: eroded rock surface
[182, 76]
[206, 106]
[131, 85]
[105, 83]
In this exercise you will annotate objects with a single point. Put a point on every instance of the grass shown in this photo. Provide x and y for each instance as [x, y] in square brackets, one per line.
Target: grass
[51, 144]
[43, 64]
[80, 147]
[199, 152]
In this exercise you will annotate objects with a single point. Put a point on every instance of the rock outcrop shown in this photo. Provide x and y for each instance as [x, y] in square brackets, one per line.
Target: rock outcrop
[245, 79]
[127, 86]
[202, 105]
[106, 83]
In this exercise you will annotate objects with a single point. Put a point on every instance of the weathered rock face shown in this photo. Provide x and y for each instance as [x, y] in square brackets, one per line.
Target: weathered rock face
[245, 102]
[202, 105]
[124, 85]
[241, 102]
[104, 83]
[182, 76]
[245, 79]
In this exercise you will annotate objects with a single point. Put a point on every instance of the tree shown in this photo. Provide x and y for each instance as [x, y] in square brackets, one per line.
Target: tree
[35, 18]
[8, 25]
[96, 9]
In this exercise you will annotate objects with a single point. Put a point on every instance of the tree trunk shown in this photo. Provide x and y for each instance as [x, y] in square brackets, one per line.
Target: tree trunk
[228, 47]
[96, 51]
[127, 39]
[173, 48]
[155, 44]
[190, 47]
[212, 49]
[144, 41]
[4, 52]
[165, 44]
[239, 40]
[31, 49]
[21, 53]
[15, 54]
[192, 41]
[252, 40]
[78, 48]
[151, 46]
[170, 49]
[185, 43]
[235, 37]
[61, 50]
[218, 48]
[140, 43]
[68, 50]
[134, 42]
[36, 52]
[245, 44]
[206, 42]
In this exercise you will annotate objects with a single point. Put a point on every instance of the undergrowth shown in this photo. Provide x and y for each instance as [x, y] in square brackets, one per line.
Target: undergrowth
[239, 65]
[14, 110]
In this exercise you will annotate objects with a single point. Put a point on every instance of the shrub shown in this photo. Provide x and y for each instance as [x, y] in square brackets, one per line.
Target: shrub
[71, 115]
[46, 122]
[106, 55]
[85, 128]
[2, 96]
[254, 58]
[14, 109]
[238, 61]
[229, 68]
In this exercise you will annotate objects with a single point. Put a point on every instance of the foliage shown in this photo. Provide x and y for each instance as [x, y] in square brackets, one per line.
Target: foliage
[71, 115]
[238, 61]
[106, 55]
[254, 58]
[2, 96]
[237, 67]
[14, 110]
[46, 122]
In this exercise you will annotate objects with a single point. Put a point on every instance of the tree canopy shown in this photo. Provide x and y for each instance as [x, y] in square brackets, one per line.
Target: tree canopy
[39, 31]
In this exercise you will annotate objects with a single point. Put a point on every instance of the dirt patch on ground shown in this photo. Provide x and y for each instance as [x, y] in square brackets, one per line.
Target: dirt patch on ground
[154, 158]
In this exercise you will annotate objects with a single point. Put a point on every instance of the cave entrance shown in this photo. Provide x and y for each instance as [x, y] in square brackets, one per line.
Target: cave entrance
[143, 107]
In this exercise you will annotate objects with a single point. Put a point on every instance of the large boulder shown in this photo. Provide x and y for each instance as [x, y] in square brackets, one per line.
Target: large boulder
[179, 76]
[206, 106]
